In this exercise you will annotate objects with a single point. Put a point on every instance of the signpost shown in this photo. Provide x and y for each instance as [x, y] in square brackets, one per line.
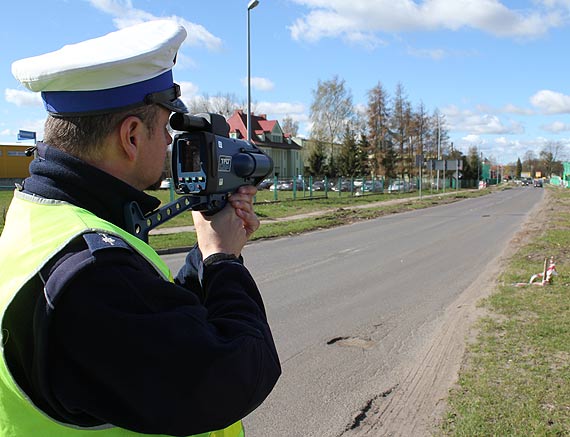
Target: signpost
[420, 164]
[26, 135]
[445, 165]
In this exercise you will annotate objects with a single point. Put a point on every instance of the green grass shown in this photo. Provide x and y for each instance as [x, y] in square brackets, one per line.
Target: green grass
[516, 377]
[339, 210]
[5, 199]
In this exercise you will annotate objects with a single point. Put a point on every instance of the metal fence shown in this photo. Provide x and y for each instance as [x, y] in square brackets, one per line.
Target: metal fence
[310, 188]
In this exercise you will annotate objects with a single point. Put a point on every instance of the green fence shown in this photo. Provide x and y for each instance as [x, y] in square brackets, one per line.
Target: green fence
[313, 188]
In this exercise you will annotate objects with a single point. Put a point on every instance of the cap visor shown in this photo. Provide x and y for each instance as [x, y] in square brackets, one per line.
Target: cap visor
[175, 105]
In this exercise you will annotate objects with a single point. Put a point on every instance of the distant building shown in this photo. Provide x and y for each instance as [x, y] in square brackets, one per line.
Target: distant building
[14, 164]
[269, 137]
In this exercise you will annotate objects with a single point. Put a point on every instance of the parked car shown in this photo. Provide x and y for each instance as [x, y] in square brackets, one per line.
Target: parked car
[373, 186]
[165, 184]
[319, 186]
[281, 186]
[287, 185]
[399, 187]
[265, 184]
[538, 183]
[344, 186]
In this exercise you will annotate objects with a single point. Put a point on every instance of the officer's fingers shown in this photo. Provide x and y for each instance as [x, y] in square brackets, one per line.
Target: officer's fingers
[249, 190]
[240, 197]
[242, 205]
[250, 221]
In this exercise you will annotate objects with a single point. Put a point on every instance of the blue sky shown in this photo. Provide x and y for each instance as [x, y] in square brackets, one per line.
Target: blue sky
[498, 70]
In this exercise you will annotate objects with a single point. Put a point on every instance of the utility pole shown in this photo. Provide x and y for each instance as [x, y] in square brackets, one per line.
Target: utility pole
[252, 4]
[438, 149]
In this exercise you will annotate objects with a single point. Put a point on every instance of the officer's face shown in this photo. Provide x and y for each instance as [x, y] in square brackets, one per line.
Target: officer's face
[155, 149]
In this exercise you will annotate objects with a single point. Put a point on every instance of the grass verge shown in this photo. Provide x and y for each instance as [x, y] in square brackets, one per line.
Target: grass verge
[515, 380]
[338, 210]
[345, 214]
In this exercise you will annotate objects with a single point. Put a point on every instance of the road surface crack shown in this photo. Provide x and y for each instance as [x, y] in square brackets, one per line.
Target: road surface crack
[363, 413]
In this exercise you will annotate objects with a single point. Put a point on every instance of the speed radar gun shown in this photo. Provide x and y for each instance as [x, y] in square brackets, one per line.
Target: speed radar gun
[207, 166]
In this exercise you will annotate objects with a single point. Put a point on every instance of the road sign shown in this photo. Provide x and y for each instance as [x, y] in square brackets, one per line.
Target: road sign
[26, 135]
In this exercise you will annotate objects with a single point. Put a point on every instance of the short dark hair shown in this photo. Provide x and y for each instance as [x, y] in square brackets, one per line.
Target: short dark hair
[84, 136]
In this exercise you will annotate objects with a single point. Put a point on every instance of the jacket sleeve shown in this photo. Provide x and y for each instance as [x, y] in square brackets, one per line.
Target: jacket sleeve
[144, 354]
[188, 276]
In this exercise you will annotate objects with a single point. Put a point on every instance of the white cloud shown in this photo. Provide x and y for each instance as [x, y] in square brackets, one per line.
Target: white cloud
[188, 89]
[556, 127]
[555, 3]
[500, 149]
[435, 54]
[479, 123]
[36, 126]
[294, 110]
[366, 40]
[513, 109]
[23, 98]
[472, 139]
[509, 108]
[551, 102]
[124, 14]
[259, 83]
[339, 18]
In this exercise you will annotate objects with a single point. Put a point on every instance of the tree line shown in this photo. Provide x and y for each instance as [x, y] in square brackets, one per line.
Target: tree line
[384, 138]
[381, 139]
[548, 161]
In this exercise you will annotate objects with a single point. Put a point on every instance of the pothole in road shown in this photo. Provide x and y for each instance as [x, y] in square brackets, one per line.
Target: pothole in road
[356, 342]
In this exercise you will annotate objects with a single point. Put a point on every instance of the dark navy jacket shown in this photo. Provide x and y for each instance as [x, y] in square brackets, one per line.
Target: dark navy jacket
[125, 347]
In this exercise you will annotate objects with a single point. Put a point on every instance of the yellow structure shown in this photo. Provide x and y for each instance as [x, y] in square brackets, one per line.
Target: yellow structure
[13, 161]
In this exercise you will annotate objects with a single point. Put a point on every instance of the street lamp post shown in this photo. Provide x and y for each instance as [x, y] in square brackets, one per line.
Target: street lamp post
[478, 167]
[252, 4]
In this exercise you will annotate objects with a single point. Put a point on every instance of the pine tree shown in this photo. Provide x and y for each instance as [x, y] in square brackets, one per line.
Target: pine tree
[317, 159]
[378, 112]
[349, 158]
[389, 161]
[367, 157]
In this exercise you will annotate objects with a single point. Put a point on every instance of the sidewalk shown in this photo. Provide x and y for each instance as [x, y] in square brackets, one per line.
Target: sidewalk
[165, 230]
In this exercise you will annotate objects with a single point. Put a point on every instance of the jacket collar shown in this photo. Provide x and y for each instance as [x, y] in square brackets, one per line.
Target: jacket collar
[60, 176]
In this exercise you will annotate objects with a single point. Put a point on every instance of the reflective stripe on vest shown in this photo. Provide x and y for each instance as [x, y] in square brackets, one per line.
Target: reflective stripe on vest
[35, 230]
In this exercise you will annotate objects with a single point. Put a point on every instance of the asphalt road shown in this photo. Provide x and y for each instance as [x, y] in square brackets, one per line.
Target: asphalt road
[350, 306]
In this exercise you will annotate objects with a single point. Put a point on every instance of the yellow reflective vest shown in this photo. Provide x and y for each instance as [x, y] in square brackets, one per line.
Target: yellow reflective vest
[35, 230]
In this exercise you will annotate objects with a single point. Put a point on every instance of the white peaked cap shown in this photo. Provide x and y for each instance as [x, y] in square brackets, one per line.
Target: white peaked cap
[117, 70]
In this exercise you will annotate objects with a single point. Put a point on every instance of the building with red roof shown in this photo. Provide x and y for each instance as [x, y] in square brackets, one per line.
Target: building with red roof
[269, 137]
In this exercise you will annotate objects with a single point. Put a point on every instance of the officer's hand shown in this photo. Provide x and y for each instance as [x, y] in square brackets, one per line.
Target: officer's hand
[222, 232]
[242, 201]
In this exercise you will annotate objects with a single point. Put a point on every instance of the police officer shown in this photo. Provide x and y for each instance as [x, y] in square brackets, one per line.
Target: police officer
[98, 338]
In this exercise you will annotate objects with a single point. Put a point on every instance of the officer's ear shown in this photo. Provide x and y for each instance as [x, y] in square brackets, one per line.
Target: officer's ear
[131, 132]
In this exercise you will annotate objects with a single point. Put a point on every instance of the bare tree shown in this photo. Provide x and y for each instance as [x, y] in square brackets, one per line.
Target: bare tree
[440, 133]
[199, 104]
[420, 129]
[550, 157]
[529, 161]
[400, 128]
[378, 112]
[289, 126]
[222, 104]
[330, 111]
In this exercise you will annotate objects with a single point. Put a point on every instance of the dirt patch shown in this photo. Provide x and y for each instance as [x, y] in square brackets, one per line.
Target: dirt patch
[417, 405]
